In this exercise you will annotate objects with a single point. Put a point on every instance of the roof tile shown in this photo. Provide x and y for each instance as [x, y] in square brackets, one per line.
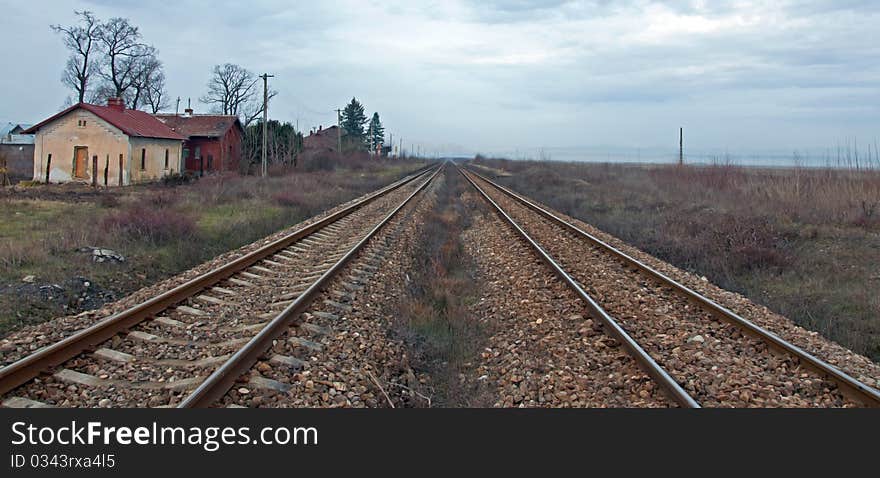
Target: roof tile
[131, 122]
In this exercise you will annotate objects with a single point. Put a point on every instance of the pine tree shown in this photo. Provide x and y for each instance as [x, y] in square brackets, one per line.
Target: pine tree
[378, 131]
[353, 121]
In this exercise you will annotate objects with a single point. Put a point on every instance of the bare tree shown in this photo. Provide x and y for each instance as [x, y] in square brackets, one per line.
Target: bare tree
[125, 55]
[155, 94]
[253, 109]
[83, 42]
[233, 90]
[148, 72]
[106, 90]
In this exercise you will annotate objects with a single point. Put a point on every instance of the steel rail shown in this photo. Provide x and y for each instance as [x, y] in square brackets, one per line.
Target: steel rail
[30, 366]
[675, 391]
[224, 377]
[849, 386]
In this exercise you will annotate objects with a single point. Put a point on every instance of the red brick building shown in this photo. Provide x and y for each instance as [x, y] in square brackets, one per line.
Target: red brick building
[322, 140]
[213, 142]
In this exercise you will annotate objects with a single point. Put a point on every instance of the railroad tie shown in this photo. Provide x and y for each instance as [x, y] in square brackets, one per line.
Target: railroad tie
[351, 287]
[243, 283]
[316, 329]
[308, 344]
[184, 309]
[250, 275]
[21, 402]
[338, 305]
[170, 322]
[114, 355]
[325, 315]
[72, 376]
[258, 381]
[292, 362]
[142, 336]
[211, 300]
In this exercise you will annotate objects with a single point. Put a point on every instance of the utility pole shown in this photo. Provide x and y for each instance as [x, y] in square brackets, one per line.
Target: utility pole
[391, 142]
[681, 146]
[339, 132]
[371, 138]
[265, 77]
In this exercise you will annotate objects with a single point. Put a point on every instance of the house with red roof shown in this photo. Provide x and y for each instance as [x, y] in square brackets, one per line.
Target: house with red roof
[105, 146]
[212, 144]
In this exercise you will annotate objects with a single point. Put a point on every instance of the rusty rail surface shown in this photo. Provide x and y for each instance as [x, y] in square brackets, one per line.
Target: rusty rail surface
[672, 388]
[225, 376]
[26, 368]
[849, 386]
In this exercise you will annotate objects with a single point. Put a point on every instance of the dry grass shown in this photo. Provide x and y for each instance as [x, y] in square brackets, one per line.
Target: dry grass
[802, 241]
[433, 316]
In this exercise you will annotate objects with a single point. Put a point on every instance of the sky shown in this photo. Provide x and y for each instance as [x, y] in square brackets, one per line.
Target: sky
[505, 76]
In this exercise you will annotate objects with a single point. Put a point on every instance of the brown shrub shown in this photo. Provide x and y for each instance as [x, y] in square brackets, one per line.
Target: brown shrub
[149, 225]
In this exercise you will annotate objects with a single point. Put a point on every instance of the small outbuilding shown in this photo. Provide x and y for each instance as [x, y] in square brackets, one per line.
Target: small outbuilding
[104, 145]
[212, 144]
[16, 153]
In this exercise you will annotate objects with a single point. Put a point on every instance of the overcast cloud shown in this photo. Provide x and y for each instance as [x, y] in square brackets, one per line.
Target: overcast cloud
[467, 76]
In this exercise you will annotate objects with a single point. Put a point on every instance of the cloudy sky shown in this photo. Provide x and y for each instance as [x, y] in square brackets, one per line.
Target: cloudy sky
[505, 75]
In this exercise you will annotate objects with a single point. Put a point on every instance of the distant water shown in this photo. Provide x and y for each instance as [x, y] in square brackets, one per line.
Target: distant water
[843, 157]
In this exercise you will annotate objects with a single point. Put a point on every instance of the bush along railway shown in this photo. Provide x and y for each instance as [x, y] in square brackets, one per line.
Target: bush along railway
[236, 335]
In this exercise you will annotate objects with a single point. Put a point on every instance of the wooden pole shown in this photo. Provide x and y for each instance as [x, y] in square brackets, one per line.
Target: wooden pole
[4, 181]
[681, 146]
[265, 77]
[339, 132]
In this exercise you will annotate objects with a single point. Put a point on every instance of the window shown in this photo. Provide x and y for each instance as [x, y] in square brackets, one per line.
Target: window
[143, 159]
[81, 123]
[198, 152]
[210, 162]
[166, 159]
[185, 153]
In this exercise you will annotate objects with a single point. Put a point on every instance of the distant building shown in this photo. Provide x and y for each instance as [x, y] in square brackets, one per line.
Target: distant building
[212, 144]
[17, 152]
[13, 129]
[104, 145]
[322, 140]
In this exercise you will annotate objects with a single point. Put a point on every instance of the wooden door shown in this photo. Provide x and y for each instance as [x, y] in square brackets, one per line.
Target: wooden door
[95, 170]
[81, 156]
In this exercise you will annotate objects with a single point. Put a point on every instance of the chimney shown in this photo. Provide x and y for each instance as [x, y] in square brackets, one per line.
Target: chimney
[116, 104]
[321, 128]
[188, 112]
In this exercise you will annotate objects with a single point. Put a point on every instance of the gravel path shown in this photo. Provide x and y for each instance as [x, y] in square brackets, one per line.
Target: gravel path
[712, 360]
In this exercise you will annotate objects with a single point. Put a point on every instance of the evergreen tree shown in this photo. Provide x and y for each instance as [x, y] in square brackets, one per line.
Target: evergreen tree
[353, 121]
[378, 131]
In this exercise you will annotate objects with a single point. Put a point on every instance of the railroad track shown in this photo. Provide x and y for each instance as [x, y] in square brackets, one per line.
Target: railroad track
[699, 352]
[186, 347]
